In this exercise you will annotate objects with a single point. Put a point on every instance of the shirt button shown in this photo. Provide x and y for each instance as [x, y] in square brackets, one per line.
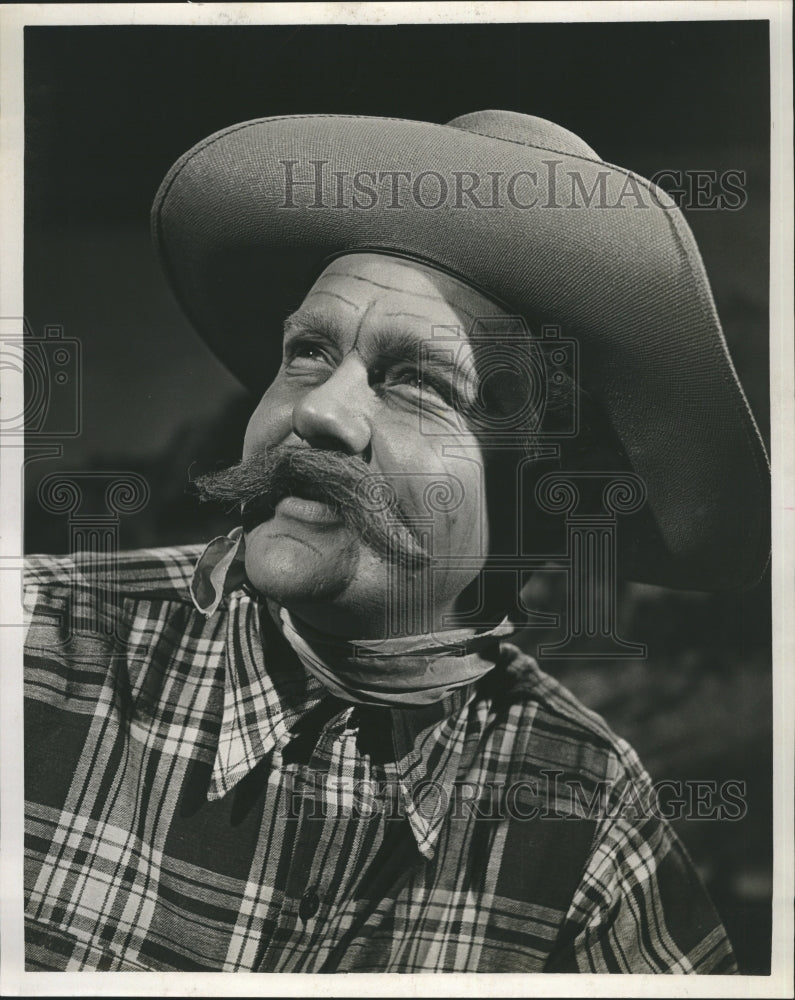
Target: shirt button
[309, 905]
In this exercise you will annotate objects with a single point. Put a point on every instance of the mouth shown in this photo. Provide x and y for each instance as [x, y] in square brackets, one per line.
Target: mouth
[302, 502]
[308, 510]
[313, 510]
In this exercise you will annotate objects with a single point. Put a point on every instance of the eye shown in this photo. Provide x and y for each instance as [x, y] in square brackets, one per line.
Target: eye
[304, 355]
[306, 351]
[409, 378]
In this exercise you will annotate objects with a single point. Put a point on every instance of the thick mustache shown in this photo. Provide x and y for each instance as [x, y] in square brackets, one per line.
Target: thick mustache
[365, 501]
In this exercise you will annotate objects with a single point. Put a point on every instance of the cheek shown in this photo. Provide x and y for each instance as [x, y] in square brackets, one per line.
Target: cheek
[468, 523]
[447, 488]
[270, 423]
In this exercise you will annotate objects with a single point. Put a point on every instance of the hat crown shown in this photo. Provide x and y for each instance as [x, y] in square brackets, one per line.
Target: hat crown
[527, 129]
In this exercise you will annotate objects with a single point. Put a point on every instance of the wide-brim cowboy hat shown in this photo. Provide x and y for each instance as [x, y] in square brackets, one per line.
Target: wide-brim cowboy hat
[527, 212]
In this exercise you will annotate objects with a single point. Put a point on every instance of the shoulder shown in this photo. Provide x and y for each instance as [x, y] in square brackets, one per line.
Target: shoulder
[95, 606]
[551, 729]
[153, 572]
[124, 619]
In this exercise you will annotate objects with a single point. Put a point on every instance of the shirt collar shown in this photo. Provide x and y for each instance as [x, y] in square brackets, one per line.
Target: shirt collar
[268, 694]
[219, 570]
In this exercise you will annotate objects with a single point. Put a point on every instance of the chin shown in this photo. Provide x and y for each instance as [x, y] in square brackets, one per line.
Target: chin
[290, 569]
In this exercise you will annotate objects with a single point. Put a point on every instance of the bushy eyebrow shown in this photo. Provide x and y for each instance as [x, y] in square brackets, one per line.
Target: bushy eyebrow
[308, 320]
[393, 343]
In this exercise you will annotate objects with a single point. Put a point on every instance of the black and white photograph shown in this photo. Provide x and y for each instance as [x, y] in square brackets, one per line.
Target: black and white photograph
[397, 499]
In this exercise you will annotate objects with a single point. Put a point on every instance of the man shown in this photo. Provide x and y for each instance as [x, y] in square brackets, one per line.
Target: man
[313, 745]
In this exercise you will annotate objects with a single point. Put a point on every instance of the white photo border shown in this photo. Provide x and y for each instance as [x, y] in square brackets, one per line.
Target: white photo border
[14, 980]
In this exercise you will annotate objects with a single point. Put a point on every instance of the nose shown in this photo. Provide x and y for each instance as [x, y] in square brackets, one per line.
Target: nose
[334, 415]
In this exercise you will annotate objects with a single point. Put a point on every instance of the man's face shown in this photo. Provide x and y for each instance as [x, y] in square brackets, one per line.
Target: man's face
[350, 382]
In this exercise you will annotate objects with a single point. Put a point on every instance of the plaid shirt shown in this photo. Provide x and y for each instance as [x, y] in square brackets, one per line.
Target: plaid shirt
[196, 801]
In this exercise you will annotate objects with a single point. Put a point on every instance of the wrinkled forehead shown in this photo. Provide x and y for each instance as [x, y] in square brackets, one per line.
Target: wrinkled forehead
[368, 289]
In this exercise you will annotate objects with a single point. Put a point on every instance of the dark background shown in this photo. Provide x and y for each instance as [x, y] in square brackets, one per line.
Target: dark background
[109, 109]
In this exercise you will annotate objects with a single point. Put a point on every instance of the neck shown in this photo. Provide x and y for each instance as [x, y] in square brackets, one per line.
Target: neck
[374, 623]
[396, 672]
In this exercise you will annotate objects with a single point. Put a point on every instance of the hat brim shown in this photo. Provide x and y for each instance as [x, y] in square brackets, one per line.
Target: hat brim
[240, 249]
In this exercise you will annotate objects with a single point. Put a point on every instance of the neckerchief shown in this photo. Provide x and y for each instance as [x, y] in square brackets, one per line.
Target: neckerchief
[402, 671]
